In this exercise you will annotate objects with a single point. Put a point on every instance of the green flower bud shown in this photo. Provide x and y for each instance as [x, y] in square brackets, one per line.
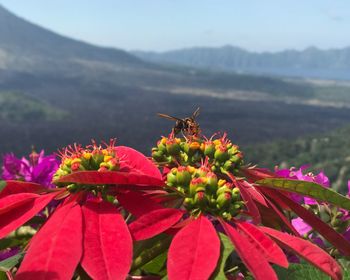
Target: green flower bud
[197, 183]
[227, 216]
[228, 164]
[236, 195]
[158, 156]
[202, 171]
[171, 179]
[96, 159]
[161, 147]
[183, 177]
[224, 200]
[233, 150]
[172, 147]
[221, 154]
[226, 188]
[189, 202]
[236, 159]
[200, 199]
[212, 182]
[209, 150]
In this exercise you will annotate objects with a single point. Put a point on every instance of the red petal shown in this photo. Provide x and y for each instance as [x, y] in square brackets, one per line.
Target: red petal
[252, 208]
[282, 216]
[308, 251]
[154, 222]
[194, 251]
[17, 216]
[256, 174]
[112, 178]
[254, 193]
[317, 224]
[272, 252]
[13, 187]
[250, 255]
[137, 203]
[107, 242]
[137, 161]
[12, 201]
[56, 249]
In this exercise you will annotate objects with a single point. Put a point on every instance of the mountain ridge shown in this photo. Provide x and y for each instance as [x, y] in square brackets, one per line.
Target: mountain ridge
[25, 41]
[311, 62]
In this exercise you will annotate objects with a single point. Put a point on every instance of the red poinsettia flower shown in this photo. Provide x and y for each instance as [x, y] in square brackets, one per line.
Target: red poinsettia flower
[195, 249]
[85, 228]
[214, 186]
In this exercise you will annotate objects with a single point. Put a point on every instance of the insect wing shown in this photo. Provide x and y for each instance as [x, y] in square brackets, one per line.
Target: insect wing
[169, 117]
[195, 113]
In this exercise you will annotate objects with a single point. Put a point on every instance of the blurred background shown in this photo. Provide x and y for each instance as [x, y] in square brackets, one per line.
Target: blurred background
[274, 74]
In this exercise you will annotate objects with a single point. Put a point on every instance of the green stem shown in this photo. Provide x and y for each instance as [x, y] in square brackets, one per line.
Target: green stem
[150, 254]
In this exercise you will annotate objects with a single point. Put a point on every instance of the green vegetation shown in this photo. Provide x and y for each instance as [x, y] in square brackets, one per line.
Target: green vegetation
[16, 107]
[329, 153]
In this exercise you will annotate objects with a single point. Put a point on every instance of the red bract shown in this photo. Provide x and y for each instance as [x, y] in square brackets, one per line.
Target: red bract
[280, 199]
[84, 228]
[195, 249]
[214, 185]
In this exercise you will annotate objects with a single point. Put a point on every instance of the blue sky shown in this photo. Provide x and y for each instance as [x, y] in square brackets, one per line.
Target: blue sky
[258, 25]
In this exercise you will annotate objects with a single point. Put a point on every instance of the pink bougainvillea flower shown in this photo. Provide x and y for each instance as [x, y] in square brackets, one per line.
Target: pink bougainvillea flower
[86, 227]
[37, 169]
[298, 174]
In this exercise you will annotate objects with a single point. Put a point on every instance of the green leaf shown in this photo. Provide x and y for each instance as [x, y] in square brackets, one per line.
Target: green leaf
[300, 272]
[3, 275]
[226, 249]
[309, 189]
[156, 265]
[9, 263]
[2, 185]
[346, 268]
[149, 254]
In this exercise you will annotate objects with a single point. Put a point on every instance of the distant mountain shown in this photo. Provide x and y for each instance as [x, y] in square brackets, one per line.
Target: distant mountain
[56, 91]
[311, 62]
[25, 46]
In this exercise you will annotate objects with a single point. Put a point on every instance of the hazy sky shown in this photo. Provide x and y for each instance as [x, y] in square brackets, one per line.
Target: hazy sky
[170, 24]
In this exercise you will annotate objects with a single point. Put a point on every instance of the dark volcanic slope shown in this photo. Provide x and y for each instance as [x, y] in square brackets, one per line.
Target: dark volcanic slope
[28, 42]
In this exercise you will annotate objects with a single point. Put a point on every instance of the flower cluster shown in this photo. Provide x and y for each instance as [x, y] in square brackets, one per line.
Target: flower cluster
[204, 192]
[94, 157]
[221, 154]
[37, 169]
[75, 158]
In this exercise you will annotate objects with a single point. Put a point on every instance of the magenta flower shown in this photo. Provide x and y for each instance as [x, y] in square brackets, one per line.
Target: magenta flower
[37, 169]
[7, 253]
[292, 173]
[302, 227]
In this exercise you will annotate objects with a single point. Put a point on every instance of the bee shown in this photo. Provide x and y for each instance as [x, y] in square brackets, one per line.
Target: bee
[188, 126]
